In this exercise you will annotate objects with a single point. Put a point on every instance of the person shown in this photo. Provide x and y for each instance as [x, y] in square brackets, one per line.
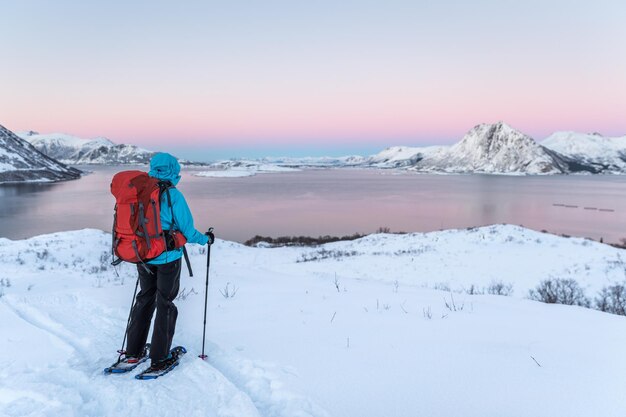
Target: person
[159, 278]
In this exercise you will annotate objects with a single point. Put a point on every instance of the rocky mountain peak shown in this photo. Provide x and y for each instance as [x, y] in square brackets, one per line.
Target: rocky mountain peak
[489, 139]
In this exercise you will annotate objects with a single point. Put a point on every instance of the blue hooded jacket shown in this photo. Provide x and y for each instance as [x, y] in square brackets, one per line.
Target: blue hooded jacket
[165, 167]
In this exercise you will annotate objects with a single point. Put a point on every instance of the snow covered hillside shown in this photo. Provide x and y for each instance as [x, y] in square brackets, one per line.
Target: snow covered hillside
[77, 151]
[381, 326]
[604, 154]
[20, 162]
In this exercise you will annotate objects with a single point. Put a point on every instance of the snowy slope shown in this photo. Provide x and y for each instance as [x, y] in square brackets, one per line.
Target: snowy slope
[20, 161]
[76, 151]
[347, 329]
[605, 154]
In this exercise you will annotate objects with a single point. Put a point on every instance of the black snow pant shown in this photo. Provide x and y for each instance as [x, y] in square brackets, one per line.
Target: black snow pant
[158, 289]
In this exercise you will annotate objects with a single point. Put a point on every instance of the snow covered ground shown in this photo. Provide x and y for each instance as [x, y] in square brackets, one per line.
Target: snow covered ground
[357, 328]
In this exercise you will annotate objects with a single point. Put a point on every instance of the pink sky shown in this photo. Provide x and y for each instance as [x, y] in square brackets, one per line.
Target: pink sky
[330, 74]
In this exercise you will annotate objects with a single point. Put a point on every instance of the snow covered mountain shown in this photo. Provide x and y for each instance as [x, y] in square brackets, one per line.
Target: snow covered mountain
[604, 154]
[76, 151]
[495, 149]
[487, 148]
[20, 161]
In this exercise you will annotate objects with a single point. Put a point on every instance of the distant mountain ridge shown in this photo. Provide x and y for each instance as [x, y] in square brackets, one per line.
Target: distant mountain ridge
[22, 162]
[486, 148]
[499, 149]
[77, 151]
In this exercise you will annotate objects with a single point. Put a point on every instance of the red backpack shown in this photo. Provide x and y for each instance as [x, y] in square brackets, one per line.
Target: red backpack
[137, 233]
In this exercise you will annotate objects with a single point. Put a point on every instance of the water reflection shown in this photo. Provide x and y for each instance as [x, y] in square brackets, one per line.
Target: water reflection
[8, 190]
[18, 198]
[336, 202]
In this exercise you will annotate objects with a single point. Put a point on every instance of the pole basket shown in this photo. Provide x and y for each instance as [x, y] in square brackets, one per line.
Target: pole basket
[203, 357]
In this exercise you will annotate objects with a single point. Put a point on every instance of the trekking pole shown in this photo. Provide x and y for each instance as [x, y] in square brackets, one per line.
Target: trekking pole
[206, 293]
[122, 351]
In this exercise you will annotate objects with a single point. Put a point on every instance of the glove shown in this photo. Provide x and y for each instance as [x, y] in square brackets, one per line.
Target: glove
[211, 237]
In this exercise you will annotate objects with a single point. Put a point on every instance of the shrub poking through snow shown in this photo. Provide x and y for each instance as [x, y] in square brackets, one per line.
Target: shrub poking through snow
[441, 286]
[612, 299]
[298, 240]
[184, 294]
[494, 288]
[474, 290]
[560, 291]
[452, 305]
[500, 288]
[326, 254]
[228, 291]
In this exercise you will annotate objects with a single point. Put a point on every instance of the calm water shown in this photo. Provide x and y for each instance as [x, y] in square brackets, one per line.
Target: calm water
[337, 202]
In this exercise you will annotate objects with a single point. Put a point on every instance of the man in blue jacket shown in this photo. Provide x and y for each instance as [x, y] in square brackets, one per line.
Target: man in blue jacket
[160, 281]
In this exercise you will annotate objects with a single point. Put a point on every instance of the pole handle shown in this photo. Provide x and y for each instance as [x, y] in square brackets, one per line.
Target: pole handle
[211, 236]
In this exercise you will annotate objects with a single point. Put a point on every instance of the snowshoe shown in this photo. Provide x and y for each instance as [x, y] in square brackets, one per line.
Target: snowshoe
[162, 367]
[128, 363]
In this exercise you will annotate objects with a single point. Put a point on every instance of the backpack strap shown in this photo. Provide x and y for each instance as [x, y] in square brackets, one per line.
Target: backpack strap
[114, 242]
[169, 203]
[113, 234]
[187, 261]
[134, 245]
[142, 223]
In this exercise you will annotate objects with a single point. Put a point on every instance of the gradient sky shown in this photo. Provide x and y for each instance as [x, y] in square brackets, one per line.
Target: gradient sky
[237, 78]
